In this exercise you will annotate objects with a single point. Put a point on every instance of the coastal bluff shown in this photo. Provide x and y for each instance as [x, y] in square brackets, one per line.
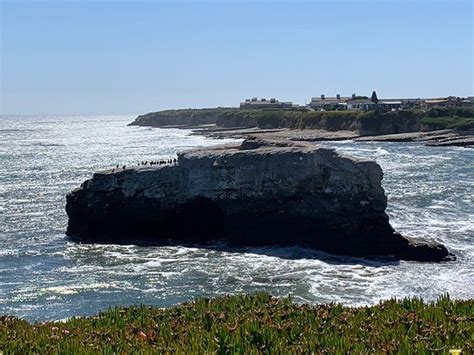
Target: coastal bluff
[261, 192]
[436, 127]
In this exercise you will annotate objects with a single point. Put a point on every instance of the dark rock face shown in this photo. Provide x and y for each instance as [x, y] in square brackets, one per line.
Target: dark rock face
[258, 193]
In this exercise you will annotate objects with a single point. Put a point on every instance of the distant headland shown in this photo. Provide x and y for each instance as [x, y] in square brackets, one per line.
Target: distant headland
[447, 121]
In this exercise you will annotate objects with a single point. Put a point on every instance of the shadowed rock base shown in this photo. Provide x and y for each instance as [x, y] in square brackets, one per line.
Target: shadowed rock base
[259, 193]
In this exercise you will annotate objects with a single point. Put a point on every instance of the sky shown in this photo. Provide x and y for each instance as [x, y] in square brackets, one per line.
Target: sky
[131, 57]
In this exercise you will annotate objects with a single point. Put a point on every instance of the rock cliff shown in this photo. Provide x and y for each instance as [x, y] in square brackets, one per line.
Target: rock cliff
[364, 123]
[183, 117]
[261, 192]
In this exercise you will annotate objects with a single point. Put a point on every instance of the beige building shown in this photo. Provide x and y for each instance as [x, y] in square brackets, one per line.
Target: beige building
[263, 103]
[328, 103]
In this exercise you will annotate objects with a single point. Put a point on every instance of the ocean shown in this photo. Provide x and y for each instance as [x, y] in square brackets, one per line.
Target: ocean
[44, 276]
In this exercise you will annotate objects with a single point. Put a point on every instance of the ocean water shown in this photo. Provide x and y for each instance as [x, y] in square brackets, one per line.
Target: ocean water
[45, 276]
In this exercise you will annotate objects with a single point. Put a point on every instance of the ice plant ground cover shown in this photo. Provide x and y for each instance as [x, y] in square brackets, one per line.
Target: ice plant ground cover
[253, 323]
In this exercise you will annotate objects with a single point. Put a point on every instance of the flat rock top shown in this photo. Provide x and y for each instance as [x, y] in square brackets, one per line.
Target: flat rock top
[254, 146]
[251, 147]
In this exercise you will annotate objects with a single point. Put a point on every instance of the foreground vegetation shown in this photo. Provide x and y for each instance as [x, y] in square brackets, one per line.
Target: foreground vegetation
[252, 324]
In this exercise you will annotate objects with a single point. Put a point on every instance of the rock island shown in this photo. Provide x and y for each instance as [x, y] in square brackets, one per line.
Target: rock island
[261, 192]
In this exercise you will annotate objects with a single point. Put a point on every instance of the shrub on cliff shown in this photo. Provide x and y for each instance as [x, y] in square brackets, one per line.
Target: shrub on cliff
[456, 122]
[441, 112]
[253, 324]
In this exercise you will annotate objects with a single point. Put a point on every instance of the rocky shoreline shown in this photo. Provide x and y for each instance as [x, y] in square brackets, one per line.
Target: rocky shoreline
[436, 127]
[262, 192]
[438, 138]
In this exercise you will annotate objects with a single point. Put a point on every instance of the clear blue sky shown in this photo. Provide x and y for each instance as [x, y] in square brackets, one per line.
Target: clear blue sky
[69, 57]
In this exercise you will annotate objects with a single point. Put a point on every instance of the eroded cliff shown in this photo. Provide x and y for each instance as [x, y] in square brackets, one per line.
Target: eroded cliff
[261, 192]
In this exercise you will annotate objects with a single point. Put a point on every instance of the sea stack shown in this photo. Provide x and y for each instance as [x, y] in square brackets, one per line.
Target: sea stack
[261, 192]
